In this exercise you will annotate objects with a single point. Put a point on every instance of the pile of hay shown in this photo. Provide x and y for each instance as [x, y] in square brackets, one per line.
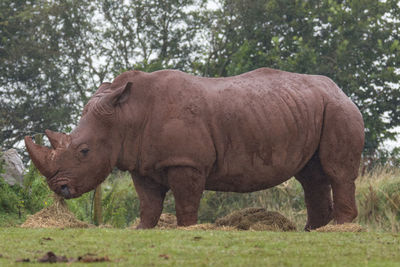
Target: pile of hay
[256, 219]
[55, 216]
[346, 227]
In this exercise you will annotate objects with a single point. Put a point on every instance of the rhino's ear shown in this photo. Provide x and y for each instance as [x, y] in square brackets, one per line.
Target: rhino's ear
[103, 103]
[120, 95]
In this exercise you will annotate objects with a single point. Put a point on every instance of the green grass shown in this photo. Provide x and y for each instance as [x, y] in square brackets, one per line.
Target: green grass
[378, 198]
[8, 220]
[203, 248]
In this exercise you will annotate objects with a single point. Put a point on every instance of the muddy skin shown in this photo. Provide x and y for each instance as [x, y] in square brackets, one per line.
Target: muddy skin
[174, 131]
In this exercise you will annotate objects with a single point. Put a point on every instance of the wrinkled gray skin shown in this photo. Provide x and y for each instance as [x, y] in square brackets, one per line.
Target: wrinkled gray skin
[174, 131]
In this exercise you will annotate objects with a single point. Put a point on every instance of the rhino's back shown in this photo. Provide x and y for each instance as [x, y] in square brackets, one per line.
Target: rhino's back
[261, 127]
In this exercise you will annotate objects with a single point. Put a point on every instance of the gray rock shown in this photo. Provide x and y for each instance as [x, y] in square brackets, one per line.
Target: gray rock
[14, 168]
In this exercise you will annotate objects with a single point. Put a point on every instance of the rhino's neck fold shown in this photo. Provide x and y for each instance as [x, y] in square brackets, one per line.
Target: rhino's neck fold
[129, 154]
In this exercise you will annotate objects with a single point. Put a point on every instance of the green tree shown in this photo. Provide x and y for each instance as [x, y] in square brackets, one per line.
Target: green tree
[149, 35]
[42, 77]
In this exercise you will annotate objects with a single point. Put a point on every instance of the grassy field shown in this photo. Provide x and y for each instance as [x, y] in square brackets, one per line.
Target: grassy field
[378, 201]
[201, 248]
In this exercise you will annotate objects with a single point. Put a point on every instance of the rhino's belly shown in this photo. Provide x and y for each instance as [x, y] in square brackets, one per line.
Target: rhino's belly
[239, 171]
[249, 177]
[244, 183]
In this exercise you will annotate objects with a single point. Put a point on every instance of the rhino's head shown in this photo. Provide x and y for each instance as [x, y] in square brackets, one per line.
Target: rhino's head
[80, 161]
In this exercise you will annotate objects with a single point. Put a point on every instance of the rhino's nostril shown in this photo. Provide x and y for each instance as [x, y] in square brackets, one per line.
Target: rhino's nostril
[65, 191]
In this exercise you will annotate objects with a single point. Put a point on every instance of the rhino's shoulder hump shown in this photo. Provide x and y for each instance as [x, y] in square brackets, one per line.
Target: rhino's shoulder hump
[128, 76]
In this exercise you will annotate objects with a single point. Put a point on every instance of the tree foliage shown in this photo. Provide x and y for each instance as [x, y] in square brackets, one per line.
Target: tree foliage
[149, 35]
[53, 54]
[41, 68]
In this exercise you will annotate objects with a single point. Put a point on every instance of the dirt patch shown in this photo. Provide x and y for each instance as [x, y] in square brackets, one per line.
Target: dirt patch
[55, 216]
[164, 256]
[51, 257]
[88, 259]
[346, 227]
[256, 219]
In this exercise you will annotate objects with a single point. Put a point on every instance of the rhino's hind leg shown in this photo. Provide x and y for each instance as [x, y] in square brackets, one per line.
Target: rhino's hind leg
[317, 192]
[187, 185]
[151, 197]
[340, 149]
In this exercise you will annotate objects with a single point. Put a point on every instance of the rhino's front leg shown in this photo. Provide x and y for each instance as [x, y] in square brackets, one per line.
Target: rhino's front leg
[151, 197]
[187, 185]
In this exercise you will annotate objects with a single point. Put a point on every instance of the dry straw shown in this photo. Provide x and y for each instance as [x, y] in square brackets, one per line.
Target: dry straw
[346, 227]
[257, 219]
[55, 216]
[254, 219]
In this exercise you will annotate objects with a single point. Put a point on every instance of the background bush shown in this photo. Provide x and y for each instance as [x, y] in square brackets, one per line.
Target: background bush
[378, 199]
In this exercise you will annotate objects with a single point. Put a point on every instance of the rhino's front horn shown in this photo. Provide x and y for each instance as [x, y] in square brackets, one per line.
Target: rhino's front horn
[41, 157]
[57, 139]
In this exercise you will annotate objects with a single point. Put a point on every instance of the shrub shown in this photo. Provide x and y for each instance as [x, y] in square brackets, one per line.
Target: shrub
[36, 194]
[1, 165]
[9, 199]
[82, 207]
[378, 199]
[120, 202]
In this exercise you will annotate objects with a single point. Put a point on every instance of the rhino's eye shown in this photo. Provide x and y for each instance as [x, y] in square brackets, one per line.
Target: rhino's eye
[85, 151]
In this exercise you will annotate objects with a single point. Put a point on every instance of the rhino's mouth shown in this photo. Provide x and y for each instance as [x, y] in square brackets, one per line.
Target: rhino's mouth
[65, 189]
[65, 192]
[64, 185]
[60, 185]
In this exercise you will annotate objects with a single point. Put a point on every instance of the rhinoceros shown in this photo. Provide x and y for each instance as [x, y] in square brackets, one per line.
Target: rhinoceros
[174, 131]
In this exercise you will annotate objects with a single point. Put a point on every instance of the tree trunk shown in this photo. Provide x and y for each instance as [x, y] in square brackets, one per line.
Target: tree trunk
[97, 216]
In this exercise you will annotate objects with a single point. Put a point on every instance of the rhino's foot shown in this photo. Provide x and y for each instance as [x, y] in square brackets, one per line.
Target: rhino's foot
[345, 209]
[187, 219]
[312, 225]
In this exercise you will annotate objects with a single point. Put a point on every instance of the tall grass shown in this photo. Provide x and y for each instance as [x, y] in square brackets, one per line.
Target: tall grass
[378, 199]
